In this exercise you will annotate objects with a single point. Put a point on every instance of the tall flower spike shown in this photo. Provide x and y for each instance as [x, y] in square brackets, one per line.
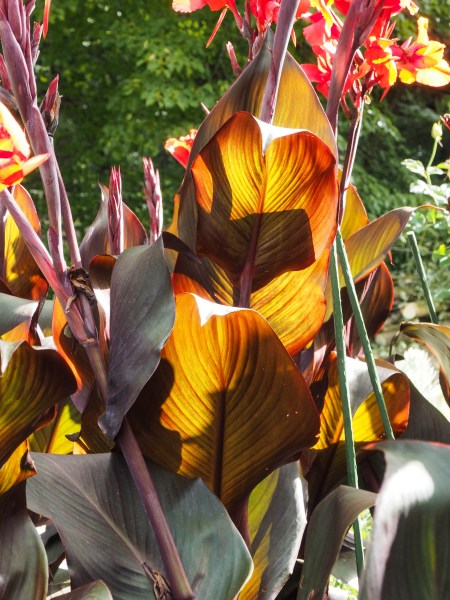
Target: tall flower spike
[153, 196]
[115, 213]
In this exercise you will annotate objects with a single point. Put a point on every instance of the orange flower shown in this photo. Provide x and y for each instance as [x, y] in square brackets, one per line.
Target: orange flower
[423, 61]
[180, 148]
[14, 151]
[380, 57]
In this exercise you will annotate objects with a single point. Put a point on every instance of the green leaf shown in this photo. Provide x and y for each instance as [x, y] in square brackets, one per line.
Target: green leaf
[23, 562]
[142, 317]
[327, 527]
[408, 558]
[14, 311]
[277, 519]
[32, 380]
[94, 504]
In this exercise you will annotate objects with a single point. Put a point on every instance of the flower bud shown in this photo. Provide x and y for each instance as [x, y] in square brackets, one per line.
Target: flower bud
[436, 132]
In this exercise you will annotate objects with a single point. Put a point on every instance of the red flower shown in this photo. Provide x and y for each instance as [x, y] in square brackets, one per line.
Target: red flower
[180, 148]
[14, 151]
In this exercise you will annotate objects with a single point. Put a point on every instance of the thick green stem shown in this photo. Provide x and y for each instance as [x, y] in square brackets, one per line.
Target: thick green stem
[422, 276]
[359, 320]
[345, 398]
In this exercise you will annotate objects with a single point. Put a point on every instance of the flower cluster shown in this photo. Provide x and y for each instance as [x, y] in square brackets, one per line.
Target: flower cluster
[381, 60]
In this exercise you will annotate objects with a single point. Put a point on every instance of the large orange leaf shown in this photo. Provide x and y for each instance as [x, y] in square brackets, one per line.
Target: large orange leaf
[293, 303]
[227, 403]
[22, 274]
[297, 106]
[329, 466]
[268, 194]
[32, 381]
[17, 468]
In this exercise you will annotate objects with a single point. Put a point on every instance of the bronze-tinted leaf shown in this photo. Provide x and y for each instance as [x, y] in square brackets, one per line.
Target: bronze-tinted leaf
[22, 274]
[142, 317]
[327, 527]
[24, 569]
[277, 519]
[297, 106]
[410, 545]
[106, 534]
[227, 403]
[268, 194]
[329, 466]
[32, 381]
[293, 303]
[437, 340]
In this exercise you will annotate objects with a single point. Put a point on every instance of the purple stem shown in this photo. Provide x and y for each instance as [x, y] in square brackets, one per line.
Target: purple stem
[285, 23]
[69, 226]
[178, 581]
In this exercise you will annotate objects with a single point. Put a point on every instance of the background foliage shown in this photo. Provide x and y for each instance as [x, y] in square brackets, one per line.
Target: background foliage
[136, 73]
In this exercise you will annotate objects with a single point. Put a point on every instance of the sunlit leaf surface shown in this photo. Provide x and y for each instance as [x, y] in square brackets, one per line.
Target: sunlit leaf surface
[32, 381]
[268, 194]
[277, 520]
[227, 403]
[22, 274]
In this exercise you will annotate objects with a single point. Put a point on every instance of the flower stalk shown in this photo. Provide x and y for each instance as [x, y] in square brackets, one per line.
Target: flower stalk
[422, 276]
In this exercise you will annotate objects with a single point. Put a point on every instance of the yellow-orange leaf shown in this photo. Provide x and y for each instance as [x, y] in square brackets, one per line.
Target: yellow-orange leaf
[227, 403]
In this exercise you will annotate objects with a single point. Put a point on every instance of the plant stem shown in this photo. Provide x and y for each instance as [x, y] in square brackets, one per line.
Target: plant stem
[179, 584]
[345, 398]
[285, 23]
[359, 320]
[422, 276]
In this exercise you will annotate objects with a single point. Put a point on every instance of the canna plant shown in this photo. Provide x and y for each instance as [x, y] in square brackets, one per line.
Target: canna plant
[192, 412]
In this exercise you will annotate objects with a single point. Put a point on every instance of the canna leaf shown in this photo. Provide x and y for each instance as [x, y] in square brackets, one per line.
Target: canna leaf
[268, 194]
[142, 317]
[329, 466]
[96, 590]
[22, 274]
[23, 562]
[92, 498]
[368, 247]
[17, 468]
[227, 403]
[437, 339]
[277, 519]
[246, 94]
[32, 381]
[14, 311]
[337, 511]
[293, 303]
[53, 437]
[411, 529]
